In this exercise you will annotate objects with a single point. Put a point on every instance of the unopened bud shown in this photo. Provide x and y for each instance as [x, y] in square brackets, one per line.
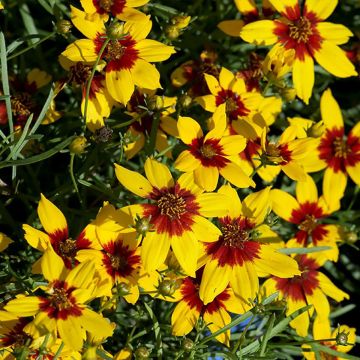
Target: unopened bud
[123, 289]
[316, 130]
[172, 32]
[63, 26]
[142, 353]
[185, 100]
[342, 338]
[180, 21]
[187, 344]
[167, 287]
[289, 94]
[116, 31]
[142, 225]
[78, 145]
[155, 103]
[103, 134]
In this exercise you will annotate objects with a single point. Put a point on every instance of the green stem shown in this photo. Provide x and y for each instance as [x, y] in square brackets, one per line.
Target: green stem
[88, 86]
[72, 157]
[47, 37]
[59, 350]
[256, 170]
[238, 344]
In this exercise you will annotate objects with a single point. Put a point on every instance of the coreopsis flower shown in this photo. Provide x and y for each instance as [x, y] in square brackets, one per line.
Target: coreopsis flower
[117, 262]
[343, 340]
[124, 50]
[295, 157]
[62, 309]
[215, 313]
[310, 288]
[303, 29]
[307, 211]
[249, 13]
[144, 106]
[99, 102]
[339, 153]
[192, 72]
[121, 9]
[24, 100]
[242, 250]
[231, 91]
[56, 234]
[175, 215]
[210, 155]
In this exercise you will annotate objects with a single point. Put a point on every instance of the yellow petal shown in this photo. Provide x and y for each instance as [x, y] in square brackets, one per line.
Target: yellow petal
[213, 204]
[181, 245]
[214, 281]
[212, 84]
[154, 51]
[187, 162]
[303, 77]
[52, 266]
[89, 24]
[96, 325]
[51, 218]
[244, 281]
[208, 102]
[231, 27]
[302, 321]
[205, 230]
[233, 144]
[257, 205]
[320, 303]
[138, 30]
[219, 122]
[334, 185]
[336, 33]
[81, 50]
[133, 181]
[158, 174]
[354, 172]
[294, 171]
[186, 181]
[234, 203]
[120, 85]
[70, 332]
[155, 248]
[282, 5]
[217, 320]
[322, 9]
[24, 306]
[145, 75]
[183, 319]
[36, 238]
[130, 14]
[334, 60]
[82, 275]
[259, 32]
[330, 111]
[236, 176]
[330, 289]
[283, 203]
[276, 263]
[207, 177]
[189, 129]
[306, 191]
[226, 77]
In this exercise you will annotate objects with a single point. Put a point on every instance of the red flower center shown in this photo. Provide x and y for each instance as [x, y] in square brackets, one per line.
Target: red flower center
[301, 30]
[209, 152]
[119, 54]
[338, 150]
[278, 154]
[235, 246]
[173, 211]
[235, 106]
[60, 304]
[115, 7]
[119, 260]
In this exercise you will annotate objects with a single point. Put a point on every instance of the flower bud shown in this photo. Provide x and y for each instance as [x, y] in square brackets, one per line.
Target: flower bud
[342, 338]
[63, 26]
[172, 32]
[155, 102]
[185, 100]
[142, 353]
[123, 289]
[187, 344]
[116, 31]
[78, 145]
[316, 130]
[288, 93]
[181, 21]
[167, 287]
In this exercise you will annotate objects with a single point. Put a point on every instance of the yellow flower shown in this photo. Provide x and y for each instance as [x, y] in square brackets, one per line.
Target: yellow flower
[5, 241]
[211, 155]
[304, 30]
[337, 152]
[127, 56]
[243, 250]
[176, 214]
[62, 309]
[307, 212]
[310, 288]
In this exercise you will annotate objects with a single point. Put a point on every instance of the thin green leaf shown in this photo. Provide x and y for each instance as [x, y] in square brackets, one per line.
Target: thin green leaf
[333, 352]
[28, 21]
[289, 251]
[39, 157]
[267, 335]
[270, 299]
[157, 332]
